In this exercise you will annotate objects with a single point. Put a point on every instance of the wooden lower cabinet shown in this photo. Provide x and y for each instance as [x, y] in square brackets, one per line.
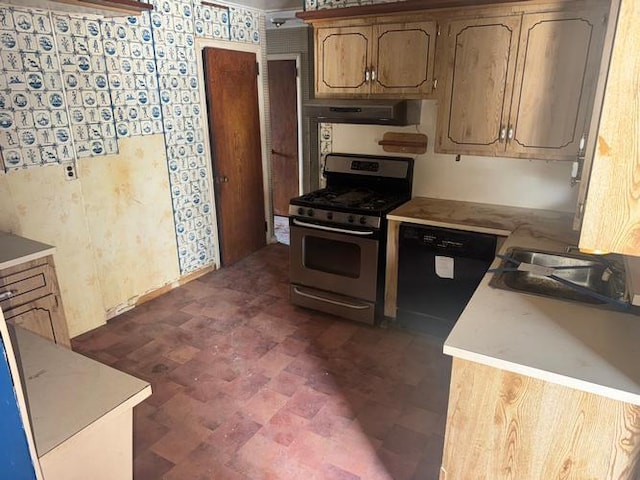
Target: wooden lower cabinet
[38, 316]
[30, 298]
[502, 425]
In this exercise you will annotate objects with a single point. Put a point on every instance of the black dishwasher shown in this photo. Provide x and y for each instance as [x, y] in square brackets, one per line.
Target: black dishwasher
[438, 271]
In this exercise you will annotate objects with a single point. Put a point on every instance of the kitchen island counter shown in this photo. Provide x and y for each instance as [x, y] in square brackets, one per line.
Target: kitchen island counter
[81, 411]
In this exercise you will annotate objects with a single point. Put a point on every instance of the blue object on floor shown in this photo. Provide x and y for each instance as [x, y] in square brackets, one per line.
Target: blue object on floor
[15, 460]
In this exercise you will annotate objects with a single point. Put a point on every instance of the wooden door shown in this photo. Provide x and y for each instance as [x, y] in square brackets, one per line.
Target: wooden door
[404, 58]
[476, 97]
[283, 99]
[555, 82]
[234, 129]
[37, 317]
[343, 56]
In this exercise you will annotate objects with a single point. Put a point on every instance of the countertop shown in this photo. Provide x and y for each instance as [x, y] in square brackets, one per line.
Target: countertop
[67, 392]
[15, 250]
[571, 344]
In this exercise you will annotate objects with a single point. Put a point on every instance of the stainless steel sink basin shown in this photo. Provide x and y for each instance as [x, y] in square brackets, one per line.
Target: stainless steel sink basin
[590, 272]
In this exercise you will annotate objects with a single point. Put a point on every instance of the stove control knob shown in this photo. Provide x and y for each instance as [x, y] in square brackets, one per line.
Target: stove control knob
[301, 211]
[350, 219]
[363, 220]
[329, 215]
[310, 212]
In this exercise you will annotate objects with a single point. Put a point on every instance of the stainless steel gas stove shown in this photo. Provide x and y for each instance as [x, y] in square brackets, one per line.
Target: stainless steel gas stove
[338, 235]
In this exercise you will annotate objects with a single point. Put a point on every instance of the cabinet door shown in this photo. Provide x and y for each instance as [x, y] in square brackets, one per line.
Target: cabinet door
[38, 316]
[612, 210]
[403, 60]
[556, 72]
[343, 56]
[476, 98]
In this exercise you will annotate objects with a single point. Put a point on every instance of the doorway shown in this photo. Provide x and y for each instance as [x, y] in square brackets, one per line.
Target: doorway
[286, 138]
[231, 86]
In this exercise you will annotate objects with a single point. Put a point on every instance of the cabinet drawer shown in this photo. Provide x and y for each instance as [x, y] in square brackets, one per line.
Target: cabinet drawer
[25, 286]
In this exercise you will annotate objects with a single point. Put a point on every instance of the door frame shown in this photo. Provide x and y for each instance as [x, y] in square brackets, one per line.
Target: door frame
[200, 45]
[298, 58]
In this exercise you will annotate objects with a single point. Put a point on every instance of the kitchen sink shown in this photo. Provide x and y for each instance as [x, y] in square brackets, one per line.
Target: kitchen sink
[581, 278]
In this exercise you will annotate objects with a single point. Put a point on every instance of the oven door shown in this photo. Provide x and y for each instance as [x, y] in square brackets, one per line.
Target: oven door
[343, 261]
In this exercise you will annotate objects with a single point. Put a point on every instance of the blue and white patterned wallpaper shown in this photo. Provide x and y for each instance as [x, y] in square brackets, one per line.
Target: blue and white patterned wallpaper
[72, 85]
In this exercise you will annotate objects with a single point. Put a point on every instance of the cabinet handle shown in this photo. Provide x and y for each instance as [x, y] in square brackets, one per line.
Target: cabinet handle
[373, 74]
[510, 133]
[503, 134]
[435, 83]
[366, 75]
[8, 294]
[582, 144]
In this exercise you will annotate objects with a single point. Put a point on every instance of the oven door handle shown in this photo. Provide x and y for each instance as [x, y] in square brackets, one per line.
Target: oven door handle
[328, 300]
[331, 229]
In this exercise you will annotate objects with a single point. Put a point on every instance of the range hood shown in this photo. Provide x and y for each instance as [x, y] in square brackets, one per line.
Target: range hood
[378, 112]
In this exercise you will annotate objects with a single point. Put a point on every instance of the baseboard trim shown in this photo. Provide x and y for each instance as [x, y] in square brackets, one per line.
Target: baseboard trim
[170, 286]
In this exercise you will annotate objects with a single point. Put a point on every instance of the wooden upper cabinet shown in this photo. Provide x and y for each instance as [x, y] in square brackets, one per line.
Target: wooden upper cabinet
[478, 59]
[611, 221]
[520, 85]
[343, 56]
[404, 58]
[387, 60]
[555, 82]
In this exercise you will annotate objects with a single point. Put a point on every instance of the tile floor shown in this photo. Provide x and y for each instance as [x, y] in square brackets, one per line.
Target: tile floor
[247, 386]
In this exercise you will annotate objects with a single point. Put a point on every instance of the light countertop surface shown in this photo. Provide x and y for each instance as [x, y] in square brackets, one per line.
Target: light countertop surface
[15, 250]
[67, 392]
[568, 343]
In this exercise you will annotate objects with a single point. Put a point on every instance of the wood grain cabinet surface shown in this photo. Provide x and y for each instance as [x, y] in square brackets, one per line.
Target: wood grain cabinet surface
[519, 85]
[505, 426]
[611, 220]
[30, 298]
[393, 60]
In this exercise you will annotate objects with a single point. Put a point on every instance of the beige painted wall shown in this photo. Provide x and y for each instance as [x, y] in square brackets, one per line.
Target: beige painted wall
[112, 227]
[506, 181]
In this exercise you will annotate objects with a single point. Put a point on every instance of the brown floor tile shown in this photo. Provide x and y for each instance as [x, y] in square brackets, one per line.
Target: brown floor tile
[247, 386]
[287, 383]
[327, 423]
[177, 444]
[149, 465]
[331, 472]
[284, 427]
[376, 419]
[264, 405]
[233, 433]
[306, 402]
[404, 441]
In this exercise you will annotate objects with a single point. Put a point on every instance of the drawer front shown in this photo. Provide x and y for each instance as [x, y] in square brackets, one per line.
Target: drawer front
[25, 286]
